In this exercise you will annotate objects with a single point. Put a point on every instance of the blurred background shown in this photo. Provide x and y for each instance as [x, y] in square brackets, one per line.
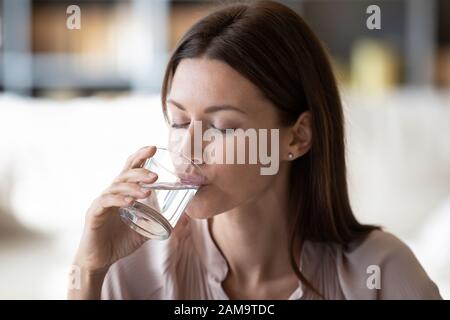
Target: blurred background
[75, 103]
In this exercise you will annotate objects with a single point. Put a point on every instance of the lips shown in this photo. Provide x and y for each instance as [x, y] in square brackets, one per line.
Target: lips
[192, 179]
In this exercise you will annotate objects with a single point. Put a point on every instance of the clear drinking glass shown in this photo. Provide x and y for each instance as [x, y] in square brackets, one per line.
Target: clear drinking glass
[177, 183]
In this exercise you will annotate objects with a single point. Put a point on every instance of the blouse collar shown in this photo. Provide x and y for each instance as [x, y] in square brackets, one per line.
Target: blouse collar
[213, 260]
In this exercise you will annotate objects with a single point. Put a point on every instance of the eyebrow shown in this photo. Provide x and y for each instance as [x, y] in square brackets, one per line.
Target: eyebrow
[210, 109]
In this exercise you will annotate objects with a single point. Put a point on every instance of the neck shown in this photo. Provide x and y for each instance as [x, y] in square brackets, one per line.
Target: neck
[254, 238]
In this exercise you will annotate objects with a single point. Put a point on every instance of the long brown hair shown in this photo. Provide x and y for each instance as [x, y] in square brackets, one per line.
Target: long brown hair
[273, 47]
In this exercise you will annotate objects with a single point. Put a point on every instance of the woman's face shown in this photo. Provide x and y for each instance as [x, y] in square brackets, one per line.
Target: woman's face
[210, 93]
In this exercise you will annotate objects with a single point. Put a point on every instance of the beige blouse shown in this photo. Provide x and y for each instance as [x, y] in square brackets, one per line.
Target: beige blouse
[189, 265]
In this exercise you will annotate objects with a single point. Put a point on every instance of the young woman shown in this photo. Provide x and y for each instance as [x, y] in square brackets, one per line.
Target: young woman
[291, 235]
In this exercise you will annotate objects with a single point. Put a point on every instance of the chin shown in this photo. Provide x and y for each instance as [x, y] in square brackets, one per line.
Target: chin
[196, 215]
[199, 209]
[206, 207]
[207, 204]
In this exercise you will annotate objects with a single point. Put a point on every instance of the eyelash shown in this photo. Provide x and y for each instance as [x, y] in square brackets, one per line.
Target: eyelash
[224, 131]
[179, 126]
[184, 125]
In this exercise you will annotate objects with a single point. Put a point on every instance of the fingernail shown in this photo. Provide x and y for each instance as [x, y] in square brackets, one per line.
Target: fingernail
[128, 199]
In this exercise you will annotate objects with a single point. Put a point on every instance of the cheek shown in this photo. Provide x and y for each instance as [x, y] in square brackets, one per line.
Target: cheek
[232, 185]
[177, 139]
[235, 179]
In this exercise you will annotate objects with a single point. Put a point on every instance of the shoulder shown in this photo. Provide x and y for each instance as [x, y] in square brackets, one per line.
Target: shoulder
[383, 267]
[146, 273]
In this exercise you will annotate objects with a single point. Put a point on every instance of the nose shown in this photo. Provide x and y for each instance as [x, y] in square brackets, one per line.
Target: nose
[189, 143]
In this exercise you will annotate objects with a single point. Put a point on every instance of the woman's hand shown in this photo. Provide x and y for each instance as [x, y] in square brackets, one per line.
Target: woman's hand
[106, 238]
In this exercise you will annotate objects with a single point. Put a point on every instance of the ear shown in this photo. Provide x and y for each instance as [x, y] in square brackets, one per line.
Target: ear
[300, 137]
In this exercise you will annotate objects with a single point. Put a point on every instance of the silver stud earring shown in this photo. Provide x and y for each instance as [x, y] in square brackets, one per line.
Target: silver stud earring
[290, 155]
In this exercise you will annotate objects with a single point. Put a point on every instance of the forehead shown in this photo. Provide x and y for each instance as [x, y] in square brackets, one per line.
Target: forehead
[202, 82]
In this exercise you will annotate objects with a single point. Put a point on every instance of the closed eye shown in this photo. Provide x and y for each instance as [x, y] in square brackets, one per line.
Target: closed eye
[186, 125]
[179, 126]
[223, 130]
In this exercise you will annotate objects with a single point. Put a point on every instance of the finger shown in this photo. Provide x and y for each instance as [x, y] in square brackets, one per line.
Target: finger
[137, 175]
[137, 159]
[129, 189]
[183, 221]
[106, 201]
